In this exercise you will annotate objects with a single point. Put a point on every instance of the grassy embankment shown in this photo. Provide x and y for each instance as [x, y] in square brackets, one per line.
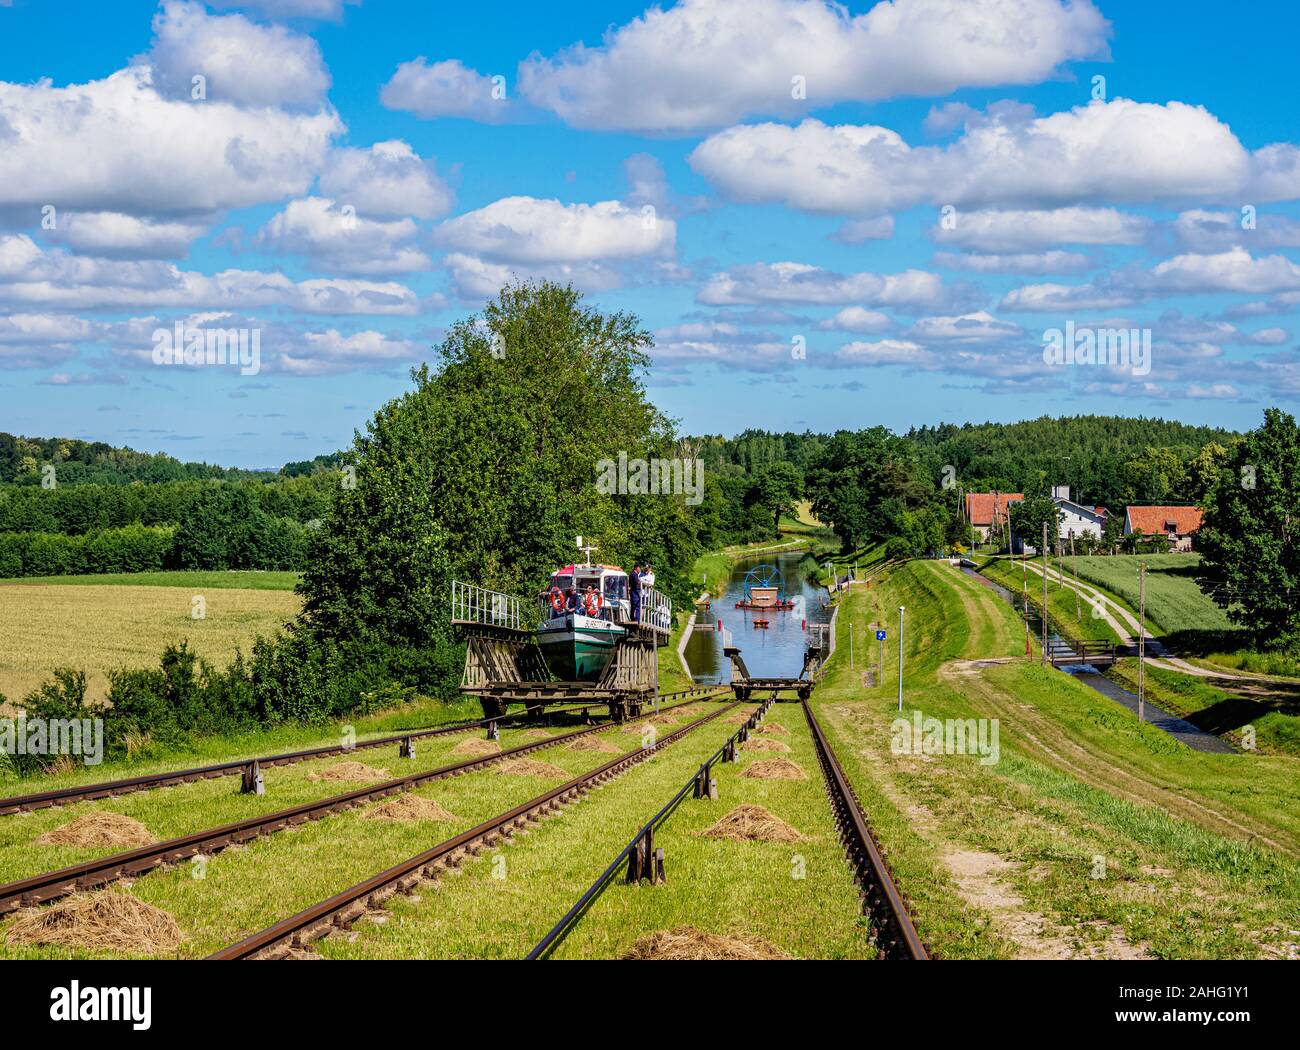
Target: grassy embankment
[1092, 835]
[1180, 614]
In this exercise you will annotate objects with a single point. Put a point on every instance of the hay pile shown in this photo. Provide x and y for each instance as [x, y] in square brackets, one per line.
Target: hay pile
[773, 727]
[104, 921]
[594, 743]
[476, 747]
[775, 769]
[739, 718]
[527, 767]
[536, 734]
[749, 823]
[686, 942]
[409, 808]
[99, 829]
[767, 745]
[350, 771]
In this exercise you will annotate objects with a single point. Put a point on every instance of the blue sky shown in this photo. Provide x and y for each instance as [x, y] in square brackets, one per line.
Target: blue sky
[350, 180]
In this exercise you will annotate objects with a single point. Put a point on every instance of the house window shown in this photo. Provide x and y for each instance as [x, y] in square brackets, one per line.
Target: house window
[1171, 527]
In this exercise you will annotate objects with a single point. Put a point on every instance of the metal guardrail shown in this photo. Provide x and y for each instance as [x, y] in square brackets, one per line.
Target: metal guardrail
[471, 603]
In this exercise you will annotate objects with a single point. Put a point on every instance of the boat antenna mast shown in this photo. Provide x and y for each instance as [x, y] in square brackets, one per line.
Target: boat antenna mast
[587, 549]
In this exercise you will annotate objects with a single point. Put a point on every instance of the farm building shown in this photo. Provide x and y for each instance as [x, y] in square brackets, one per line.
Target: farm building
[1177, 523]
[987, 511]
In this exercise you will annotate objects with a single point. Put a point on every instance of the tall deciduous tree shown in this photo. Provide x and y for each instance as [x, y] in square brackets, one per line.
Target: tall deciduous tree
[1250, 538]
[487, 470]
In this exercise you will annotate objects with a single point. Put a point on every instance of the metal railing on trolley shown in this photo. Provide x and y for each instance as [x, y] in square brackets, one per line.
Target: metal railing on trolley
[471, 603]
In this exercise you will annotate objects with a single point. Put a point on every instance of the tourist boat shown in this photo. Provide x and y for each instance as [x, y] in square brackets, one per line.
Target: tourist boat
[578, 644]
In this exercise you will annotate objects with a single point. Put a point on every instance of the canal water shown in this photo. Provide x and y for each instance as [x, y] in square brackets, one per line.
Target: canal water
[1178, 728]
[775, 651]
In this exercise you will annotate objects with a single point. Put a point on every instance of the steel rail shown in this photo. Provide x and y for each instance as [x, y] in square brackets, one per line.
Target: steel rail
[570, 919]
[51, 885]
[345, 907]
[147, 782]
[896, 937]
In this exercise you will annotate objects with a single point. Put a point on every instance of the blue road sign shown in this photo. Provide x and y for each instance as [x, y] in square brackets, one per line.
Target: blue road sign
[880, 636]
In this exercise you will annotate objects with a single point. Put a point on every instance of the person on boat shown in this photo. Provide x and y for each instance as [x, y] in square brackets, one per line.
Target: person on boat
[555, 598]
[591, 602]
[634, 589]
[571, 599]
[647, 576]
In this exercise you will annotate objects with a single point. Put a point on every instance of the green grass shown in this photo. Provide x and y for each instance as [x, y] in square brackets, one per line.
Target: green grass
[1174, 602]
[252, 581]
[1070, 610]
[503, 905]
[1185, 870]
[245, 889]
[1273, 716]
[421, 713]
[98, 629]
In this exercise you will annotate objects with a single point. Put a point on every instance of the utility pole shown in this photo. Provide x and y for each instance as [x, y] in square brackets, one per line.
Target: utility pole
[1142, 640]
[1078, 609]
[900, 657]
[1043, 660]
[1024, 598]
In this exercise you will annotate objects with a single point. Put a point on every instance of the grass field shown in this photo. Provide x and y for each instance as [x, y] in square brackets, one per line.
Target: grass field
[126, 623]
[1174, 602]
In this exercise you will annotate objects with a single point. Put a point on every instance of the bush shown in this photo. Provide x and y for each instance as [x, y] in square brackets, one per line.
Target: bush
[134, 548]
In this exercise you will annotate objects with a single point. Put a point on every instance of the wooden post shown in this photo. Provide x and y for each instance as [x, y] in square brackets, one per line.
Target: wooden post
[407, 748]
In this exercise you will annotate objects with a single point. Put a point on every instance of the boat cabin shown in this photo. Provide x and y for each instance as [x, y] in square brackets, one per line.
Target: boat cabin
[608, 581]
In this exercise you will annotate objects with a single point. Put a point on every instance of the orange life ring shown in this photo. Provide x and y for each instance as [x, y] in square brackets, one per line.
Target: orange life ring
[593, 603]
[557, 599]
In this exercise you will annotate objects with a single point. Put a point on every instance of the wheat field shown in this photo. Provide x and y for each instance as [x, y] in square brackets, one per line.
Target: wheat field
[97, 629]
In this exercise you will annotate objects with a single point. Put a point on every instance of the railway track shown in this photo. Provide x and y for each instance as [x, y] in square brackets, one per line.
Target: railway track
[896, 936]
[342, 909]
[52, 885]
[110, 788]
[639, 854]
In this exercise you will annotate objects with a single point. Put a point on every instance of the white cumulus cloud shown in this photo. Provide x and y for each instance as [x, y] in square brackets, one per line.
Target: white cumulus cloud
[706, 63]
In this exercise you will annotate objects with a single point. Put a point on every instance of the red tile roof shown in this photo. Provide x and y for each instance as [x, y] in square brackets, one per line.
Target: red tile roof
[1151, 521]
[980, 506]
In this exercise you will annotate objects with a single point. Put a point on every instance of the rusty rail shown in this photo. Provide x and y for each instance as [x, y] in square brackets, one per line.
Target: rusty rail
[52, 885]
[344, 908]
[147, 782]
[896, 937]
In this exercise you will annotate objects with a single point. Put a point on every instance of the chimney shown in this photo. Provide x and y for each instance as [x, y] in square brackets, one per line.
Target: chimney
[1060, 492]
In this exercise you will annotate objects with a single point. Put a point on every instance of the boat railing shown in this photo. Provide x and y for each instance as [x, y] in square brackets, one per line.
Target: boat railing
[471, 603]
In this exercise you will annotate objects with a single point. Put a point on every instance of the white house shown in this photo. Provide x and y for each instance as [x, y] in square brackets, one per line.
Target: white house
[1075, 520]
